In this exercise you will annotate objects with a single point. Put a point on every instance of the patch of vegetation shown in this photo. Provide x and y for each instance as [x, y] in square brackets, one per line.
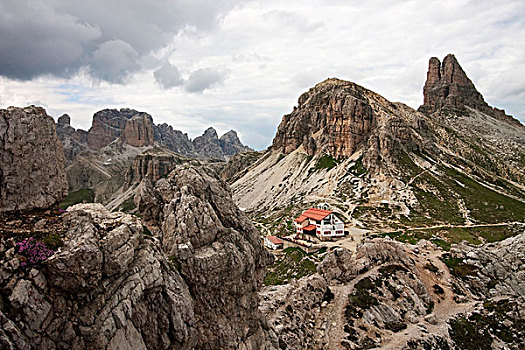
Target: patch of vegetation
[358, 169]
[454, 235]
[53, 241]
[128, 205]
[326, 162]
[459, 268]
[485, 205]
[294, 263]
[146, 231]
[175, 263]
[361, 298]
[281, 157]
[391, 269]
[85, 195]
[438, 289]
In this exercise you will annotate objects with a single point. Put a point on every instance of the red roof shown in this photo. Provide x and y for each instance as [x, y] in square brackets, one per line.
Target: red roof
[301, 218]
[314, 214]
[309, 228]
[274, 240]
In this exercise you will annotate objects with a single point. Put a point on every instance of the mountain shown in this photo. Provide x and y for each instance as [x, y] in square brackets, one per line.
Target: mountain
[434, 205]
[458, 163]
[439, 266]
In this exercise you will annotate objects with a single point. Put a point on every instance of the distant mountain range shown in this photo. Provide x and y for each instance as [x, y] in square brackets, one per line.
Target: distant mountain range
[130, 127]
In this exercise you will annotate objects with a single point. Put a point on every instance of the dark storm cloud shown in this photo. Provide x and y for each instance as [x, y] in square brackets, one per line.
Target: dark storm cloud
[203, 79]
[168, 76]
[108, 37]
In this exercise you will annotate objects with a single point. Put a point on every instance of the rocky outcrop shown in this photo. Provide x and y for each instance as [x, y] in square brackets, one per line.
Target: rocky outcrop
[217, 251]
[293, 309]
[333, 117]
[74, 141]
[238, 165]
[31, 160]
[108, 287]
[448, 90]
[153, 165]
[343, 266]
[138, 131]
[494, 269]
[208, 143]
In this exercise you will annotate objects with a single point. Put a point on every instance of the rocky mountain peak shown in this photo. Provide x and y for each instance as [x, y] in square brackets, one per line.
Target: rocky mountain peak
[231, 136]
[64, 119]
[449, 90]
[210, 133]
[138, 131]
[333, 117]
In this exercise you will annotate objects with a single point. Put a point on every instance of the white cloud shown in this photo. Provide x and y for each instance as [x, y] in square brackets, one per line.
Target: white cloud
[273, 51]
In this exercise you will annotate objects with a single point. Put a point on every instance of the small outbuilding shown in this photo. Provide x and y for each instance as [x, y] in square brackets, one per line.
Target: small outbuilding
[273, 242]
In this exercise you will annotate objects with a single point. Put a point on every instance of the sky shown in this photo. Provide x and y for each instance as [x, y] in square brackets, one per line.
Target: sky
[242, 65]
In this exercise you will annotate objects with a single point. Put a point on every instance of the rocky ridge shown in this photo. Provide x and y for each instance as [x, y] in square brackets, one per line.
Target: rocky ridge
[137, 129]
[31, 160]
[217, 251]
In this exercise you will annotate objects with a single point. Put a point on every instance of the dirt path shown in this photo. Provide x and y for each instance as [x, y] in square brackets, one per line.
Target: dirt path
[444, 305]
[334, 313]
[454, 226]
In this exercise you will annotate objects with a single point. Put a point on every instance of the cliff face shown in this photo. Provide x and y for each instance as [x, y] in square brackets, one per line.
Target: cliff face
[217, 251]
[108, 125]
[31, 160]
[153, 164]
[138, 131]
[334, 117]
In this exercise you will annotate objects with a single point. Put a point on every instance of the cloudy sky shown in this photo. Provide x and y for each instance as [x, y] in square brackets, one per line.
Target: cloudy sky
[243, 64]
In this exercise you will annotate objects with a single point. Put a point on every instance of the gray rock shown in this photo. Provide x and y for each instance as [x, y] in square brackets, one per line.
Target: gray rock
[31, 160]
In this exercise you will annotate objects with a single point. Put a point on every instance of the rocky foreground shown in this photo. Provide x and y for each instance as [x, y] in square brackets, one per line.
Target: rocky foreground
[391, 296]
[188, 281]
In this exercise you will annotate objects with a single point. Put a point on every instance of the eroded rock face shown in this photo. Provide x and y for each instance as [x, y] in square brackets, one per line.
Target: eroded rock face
[293, 309]
[218, 252]
[173, 139]
[107, 126]
[138, 131]
[109, 287]
[343, 266]
[334, 117]
[31, 160]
